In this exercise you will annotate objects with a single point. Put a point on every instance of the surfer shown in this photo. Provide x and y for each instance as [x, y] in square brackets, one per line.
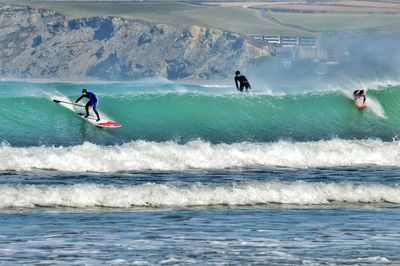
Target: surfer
[357, 94]
[243, 82]
[93, 101]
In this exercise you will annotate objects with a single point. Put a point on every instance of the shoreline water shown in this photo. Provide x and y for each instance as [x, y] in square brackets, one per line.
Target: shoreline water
[182, 236]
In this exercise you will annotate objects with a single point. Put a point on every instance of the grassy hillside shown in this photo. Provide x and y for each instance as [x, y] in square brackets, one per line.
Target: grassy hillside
[328, 15]
[334, 22]
[235, 19]
[231, 16]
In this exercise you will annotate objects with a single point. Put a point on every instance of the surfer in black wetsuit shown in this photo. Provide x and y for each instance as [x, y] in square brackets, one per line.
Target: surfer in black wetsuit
[93, 101]
[243, 82]
[357, 94]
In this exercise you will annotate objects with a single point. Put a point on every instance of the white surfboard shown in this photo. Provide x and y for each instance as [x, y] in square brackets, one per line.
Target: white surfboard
[104, 122]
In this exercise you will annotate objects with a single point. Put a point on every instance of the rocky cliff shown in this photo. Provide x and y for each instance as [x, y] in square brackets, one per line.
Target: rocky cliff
[36, 43]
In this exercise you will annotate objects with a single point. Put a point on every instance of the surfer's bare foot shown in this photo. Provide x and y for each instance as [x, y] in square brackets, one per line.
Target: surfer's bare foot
[86, 115]
[98, 119]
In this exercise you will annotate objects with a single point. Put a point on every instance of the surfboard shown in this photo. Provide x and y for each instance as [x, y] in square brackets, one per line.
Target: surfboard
[361, 105]
[101, 123]
[105, 122]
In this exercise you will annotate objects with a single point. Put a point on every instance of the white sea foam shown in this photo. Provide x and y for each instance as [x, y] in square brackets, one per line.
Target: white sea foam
[372, 84]
[63, 98]
[375, 84]
[376, 107]
[170, 156]
[376, 259]
[165, 195]
[215, 86]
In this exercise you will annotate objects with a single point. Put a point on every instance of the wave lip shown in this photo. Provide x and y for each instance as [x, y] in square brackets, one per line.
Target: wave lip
[163, 195]
[171, 156]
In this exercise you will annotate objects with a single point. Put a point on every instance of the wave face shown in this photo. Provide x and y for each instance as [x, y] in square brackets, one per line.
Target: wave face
[163, 195]
[171, 156]
[182, 113]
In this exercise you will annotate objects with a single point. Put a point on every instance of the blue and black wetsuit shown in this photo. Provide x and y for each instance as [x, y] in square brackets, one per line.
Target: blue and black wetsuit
[93, 101]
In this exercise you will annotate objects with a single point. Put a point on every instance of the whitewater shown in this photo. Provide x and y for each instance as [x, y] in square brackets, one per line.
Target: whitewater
[199, 173]
[171, 156]
[162, 195]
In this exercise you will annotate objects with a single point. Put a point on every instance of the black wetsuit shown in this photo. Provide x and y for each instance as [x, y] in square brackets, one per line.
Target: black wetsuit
[356, 95]
[243, 83]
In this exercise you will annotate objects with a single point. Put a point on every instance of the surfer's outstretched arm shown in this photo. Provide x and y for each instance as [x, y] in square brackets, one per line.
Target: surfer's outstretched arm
[77, 100]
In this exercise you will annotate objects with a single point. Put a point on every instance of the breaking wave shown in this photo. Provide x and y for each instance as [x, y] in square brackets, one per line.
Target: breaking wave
[172, 156]
[164, 195]
[184, 113]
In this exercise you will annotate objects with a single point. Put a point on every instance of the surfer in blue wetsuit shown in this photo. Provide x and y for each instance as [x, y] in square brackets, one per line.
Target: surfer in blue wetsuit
[241, 82]
[357, 94]
[93, 101]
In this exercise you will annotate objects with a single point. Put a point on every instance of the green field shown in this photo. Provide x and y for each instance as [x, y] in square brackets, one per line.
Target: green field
[235, 19]
[336, 22]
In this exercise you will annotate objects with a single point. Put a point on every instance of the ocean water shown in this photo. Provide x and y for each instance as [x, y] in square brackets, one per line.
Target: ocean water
[199, 175]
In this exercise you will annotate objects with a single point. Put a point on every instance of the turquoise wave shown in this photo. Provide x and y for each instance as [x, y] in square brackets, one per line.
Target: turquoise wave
[34, 119]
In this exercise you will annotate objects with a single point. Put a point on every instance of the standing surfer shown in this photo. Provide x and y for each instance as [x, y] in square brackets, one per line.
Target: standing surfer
[358, 94]
[93, 101]
[243, 82]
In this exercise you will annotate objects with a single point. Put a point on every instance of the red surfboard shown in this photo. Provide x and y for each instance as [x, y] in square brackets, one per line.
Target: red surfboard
[361, 105]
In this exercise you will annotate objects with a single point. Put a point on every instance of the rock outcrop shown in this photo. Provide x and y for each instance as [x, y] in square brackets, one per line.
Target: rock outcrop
[37, 43]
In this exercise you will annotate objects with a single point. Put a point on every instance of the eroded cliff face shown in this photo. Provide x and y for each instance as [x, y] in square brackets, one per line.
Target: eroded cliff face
[36, 43]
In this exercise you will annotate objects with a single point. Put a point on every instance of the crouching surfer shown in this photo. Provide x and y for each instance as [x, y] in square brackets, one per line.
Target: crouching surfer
[93, 101]
[358, 94]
